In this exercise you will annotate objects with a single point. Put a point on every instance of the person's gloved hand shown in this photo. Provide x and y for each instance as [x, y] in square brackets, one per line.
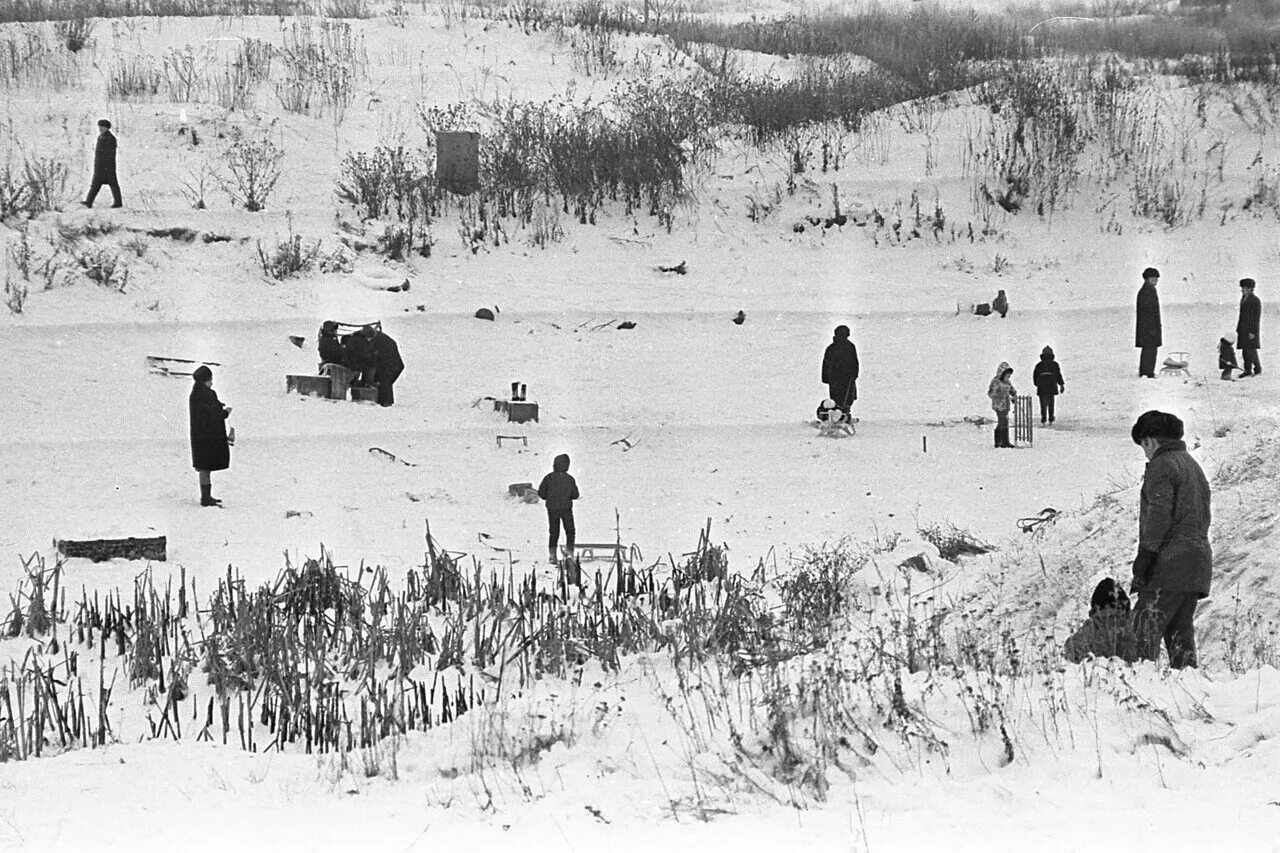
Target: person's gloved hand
[1142, 566]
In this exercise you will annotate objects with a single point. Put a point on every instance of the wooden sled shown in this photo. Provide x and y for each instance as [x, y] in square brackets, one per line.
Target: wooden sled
[166, 366]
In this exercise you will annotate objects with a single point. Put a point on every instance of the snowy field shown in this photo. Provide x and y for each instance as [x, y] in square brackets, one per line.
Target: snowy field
[716, 419]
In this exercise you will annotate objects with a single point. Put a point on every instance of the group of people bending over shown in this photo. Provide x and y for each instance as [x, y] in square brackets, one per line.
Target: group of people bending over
[370, 354]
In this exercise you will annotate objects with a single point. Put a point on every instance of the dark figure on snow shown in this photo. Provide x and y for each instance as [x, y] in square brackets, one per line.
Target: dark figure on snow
[104, 166]
[559, 490]
[1000, 304]
[209, 448]
[330, 346]
[1227, 356]
[1109, 631]
[1172, 570]
[1248, 329]
[358, 356]
[1002, 392]
[1047, 377]
[840, 369]
[1148, 338]
[387, 364]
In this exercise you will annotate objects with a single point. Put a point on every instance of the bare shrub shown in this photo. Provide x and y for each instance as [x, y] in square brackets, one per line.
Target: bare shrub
[290, 256]
[103, 266]
[15, 294]
[183, 75]
[74, 32]
[134, 77]
[37, 188]
[252, 169]
[952, 542]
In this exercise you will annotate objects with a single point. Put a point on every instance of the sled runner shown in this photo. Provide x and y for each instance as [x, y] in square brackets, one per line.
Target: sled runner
[166, 366]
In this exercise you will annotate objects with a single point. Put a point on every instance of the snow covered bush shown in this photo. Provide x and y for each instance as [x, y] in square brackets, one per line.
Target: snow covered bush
[103, 266]
[290, 256]
[252, 169]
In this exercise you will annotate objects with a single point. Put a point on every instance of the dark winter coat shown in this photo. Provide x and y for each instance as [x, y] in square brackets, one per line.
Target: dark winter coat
[558, 489]
[1149, 332]
[1226, 355]
[1108, 634]
[1248, 329]
[840, 370]
[330, 349]
[209, 451]
[104, 157]
[1173, 523]
[385, 355]
[357, 355]
[1047, 377]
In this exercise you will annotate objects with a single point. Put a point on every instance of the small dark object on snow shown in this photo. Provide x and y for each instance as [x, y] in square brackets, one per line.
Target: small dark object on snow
[403, 287]
[626, 324]
[798, 228]
[297, 340]
[679, 269]
[838, 220]
[813, 220]
[484, 314]
[739, 318]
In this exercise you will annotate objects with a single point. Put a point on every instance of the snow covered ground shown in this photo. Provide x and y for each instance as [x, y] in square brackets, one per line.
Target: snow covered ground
[717, 418]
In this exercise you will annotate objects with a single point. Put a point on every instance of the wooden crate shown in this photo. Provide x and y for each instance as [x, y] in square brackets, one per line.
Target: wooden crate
[131, 548]
[307, 385]
[519, 411]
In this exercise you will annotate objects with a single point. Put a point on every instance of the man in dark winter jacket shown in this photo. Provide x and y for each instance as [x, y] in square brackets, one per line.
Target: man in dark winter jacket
[1248, 329]
[329, 345]
[840, 369]
[104, 166]
[387, 365]
[1148, 337]
[559, 490]
[1047, 377]
[209, 447]
[1172, 570]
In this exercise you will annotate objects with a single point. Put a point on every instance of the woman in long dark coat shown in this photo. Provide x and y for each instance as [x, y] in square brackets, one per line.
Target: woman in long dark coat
[209, 448]
[840, 369]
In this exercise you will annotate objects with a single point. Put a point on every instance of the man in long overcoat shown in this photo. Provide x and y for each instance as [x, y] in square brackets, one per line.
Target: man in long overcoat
[387, 364]
[209, 448]
[840, 369]
[1174, 563]
[1148, 336]
[1249, 328]
[104, 166]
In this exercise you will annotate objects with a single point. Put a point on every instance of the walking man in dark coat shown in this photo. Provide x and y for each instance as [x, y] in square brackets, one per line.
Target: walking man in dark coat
[840, 369]
[1148, 337]
[1249, 327]
[559, 490]
[1047, 377]
[387, 364]
[1172, 570]
[104, 166]
[209, 448]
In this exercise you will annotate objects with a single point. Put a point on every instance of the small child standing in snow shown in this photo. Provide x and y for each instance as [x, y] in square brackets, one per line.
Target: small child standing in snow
[1047, 377]
[1001, 393]
[1227, 356]
[559, 490]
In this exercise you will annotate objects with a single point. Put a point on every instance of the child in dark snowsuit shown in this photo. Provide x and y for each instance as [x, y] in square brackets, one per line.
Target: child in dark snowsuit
[559, 490]
[1109, 632]
[1227, 357]
[1048, 379]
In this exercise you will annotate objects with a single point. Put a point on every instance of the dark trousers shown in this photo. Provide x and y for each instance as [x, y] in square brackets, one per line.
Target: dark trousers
[386, 393]
[555, 517]
[1250, 357]
[842, 393]
[1167, 616]
[1147, 361]
[99, 183]
[1046, 407]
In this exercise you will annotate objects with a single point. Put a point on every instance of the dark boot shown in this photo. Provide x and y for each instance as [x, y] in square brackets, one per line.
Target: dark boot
[997, 438]
[1002, 437]
[206, 496]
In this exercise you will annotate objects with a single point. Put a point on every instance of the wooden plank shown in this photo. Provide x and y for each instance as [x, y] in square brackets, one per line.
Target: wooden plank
[130, 548]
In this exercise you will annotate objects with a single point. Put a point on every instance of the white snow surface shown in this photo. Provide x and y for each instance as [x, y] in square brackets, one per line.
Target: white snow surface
[717, 419]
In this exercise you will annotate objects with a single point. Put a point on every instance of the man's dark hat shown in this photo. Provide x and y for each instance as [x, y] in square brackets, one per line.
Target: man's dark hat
[102, 122]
